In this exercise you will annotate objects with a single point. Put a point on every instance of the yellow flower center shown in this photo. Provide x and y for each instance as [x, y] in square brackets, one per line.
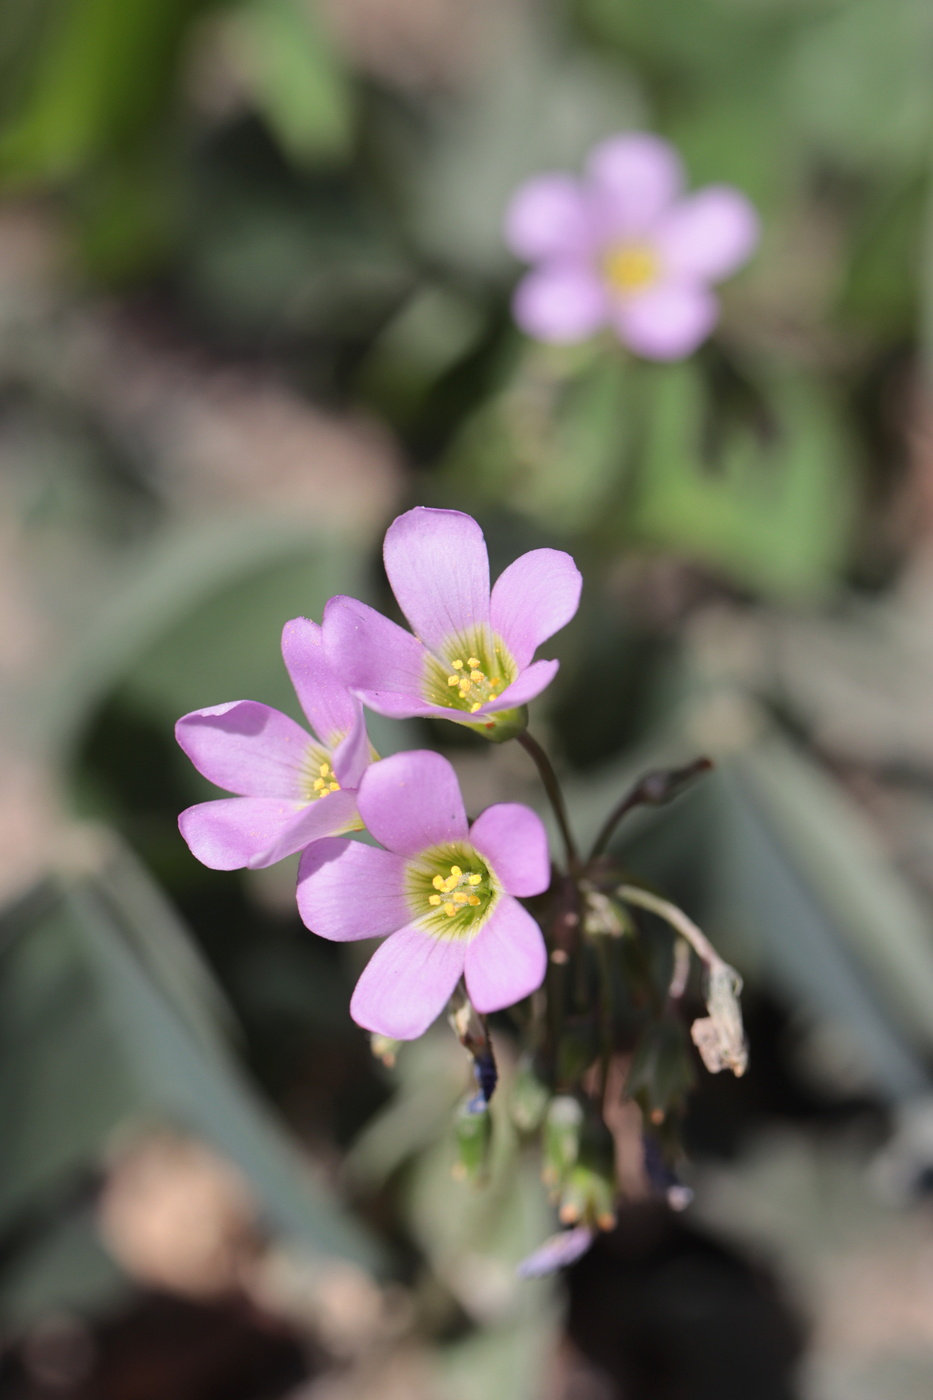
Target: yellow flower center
[319, 777]
[473, 685]
[451, 890]
[472, 672]
[455, 891]
[630, 267]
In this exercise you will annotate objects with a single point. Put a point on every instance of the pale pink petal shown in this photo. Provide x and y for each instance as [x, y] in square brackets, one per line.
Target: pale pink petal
[561, 303]
[514, 841]
[533, 598]
[374, 656]
[708, 235]
[531, 682]
[247, 748]
[667, 322]
[439, 571]
[407, 983]
[325, 816]
[411, 801]
[635, 178]
[548, 217]
[232, 832]
[347, 891]
[353, 755]
[330, 708]
[507, 960]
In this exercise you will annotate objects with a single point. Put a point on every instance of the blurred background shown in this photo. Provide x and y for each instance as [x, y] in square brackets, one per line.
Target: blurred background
[254, 301]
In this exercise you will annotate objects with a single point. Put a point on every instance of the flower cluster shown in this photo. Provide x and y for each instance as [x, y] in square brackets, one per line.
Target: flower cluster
[443, 893]
[624, 248]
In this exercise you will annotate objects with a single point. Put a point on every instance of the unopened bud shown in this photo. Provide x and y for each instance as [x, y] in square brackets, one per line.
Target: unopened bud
[474, 1134]
[529, 1097]
[563, 1123]
[588, 1198]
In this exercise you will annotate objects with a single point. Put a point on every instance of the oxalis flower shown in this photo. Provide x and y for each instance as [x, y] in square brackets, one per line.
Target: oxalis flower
[443, 891]
[293, 787]
[470, 659]
[624, 248]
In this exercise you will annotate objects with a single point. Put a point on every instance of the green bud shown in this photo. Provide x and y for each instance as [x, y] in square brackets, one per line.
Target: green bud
[501, 724]
[563, 1123]
[529, 1097]
[473, 1133]
[588, 1198]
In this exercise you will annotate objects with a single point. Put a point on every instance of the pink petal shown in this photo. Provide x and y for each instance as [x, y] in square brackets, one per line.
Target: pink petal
[533, 598]
[531, 682]
[348, 891]
[548, 218]
[667, 322]
[507, 960]
[325, 816]
[407, 983]
[247, 748]
[560, 302]
[636, 177]
[513, 839]
[352, 756]
[330, 708]
[232, 832]
[412, 801]
[374, 656]
[709, 235]
[439, 571]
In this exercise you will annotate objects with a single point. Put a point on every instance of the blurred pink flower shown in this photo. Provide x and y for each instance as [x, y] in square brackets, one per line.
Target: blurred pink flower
[624, 247]
[444, 893]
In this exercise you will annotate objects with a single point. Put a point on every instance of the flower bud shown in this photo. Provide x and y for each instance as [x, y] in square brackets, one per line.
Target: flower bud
[385, 1049]
[561, 1145]
[473, 1133]
[529, 1098]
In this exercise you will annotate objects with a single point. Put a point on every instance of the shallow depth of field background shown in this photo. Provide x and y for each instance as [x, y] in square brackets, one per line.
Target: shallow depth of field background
[253, 303]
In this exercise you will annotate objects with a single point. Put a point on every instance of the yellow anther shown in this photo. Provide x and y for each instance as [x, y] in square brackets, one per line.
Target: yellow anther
[462, 693]
[450, 910]
[455, 870]
[438, 882]
[476, 676]
[453, 680]
[334, 787]
[434, 899]
[318, 784]
[474, 708]
[474, 899]
[475, 880]
[449, 884]
[496, 680]
[460, 897]
[473, 661]
[458, 665]
[324, 769]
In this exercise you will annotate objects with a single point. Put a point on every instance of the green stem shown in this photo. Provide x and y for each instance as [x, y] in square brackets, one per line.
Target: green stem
[555, 796]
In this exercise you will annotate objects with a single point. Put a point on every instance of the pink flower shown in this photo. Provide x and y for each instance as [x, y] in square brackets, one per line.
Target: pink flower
[470, 659]
[293, 788]
[443, 891]
[625, 248]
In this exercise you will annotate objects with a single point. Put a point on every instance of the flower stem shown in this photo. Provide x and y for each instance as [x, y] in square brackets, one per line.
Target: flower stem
[555, 796]
[653, 790]
[634, 894]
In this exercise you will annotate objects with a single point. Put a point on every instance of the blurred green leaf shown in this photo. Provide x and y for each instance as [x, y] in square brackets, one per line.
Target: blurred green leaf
[770, 504]
[108, 1017]
[297, 79]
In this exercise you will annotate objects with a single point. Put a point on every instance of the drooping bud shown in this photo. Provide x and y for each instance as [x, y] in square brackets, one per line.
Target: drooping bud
[563, 1123]
[720, 1036]
[529, 1097]
[589, 1190]
[473, 1134]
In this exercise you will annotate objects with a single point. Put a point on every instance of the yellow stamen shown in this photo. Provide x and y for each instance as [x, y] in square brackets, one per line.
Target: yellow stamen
[450, 910]
[475, 879]
[630, 266]
[334, 787]
[434, 899]
[458, 665]
[474, 708]
[460, 897]
[438, 882]
[318, 784]
[462, 693]
[472, 660]
[324, 769]
[474, 899]
[476, 676]
[453, 680]
[455, 870]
